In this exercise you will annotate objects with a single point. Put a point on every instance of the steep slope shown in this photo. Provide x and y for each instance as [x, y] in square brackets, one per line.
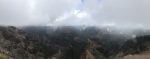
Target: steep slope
[13, 42]
[68, 43]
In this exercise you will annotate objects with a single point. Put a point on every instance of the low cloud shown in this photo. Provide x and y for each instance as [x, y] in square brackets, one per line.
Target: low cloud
[75, 12]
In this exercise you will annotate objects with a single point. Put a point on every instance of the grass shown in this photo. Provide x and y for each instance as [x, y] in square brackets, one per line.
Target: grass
[2, 56]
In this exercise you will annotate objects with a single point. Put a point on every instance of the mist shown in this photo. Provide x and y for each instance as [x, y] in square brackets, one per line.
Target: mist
[116, 13]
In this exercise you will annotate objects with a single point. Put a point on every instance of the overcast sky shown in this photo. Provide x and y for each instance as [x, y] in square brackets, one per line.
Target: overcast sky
[75, 12]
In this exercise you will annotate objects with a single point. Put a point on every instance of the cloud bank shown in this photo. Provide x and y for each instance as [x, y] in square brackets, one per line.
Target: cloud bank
[75, 12]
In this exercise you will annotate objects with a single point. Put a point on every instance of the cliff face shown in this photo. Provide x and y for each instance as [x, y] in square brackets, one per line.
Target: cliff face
[67, 43]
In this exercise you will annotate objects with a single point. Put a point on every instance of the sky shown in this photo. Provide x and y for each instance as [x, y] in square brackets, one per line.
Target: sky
[121, 13]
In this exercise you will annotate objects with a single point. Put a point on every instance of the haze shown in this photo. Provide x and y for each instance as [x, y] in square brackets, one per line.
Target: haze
[120, 13]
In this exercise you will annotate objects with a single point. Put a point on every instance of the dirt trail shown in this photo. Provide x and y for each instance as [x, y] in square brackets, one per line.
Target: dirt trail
[145, 55]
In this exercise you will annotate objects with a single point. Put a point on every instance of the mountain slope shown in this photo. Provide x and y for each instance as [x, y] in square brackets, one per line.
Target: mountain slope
[68, 43]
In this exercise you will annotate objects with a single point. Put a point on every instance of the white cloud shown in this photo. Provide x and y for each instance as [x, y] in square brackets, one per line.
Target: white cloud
[40, 12]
